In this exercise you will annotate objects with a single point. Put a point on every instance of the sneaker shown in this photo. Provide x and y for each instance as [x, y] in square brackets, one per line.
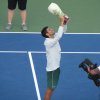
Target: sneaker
[66, 19]
[24, 27]
[8, 27]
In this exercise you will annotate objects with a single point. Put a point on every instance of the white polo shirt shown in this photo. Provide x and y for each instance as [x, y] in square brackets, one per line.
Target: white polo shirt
[53, 50]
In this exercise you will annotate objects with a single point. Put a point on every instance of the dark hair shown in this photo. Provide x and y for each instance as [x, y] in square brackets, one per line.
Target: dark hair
[44, 31]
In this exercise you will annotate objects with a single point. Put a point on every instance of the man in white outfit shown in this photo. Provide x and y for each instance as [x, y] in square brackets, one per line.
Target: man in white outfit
[53, 54]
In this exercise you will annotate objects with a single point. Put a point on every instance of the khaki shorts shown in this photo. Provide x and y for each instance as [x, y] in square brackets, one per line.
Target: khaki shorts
[52, 78]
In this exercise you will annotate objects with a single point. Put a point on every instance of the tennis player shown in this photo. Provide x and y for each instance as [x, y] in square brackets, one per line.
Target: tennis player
[53, 54]
[11, 7]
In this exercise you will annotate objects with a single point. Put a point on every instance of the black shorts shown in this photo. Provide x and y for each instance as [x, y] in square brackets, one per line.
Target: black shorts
[21, 4]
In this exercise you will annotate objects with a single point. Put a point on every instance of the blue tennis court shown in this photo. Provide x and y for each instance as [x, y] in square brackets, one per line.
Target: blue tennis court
[23, 62]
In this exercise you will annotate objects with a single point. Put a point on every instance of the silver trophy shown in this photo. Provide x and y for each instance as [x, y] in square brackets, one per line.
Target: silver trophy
[55, 9]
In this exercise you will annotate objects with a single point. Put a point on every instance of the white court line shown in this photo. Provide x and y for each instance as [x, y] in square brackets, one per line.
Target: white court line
[34, 75]
[22, 32]
[40, 33]
[82, 33]
[80, 52]
[68, 52]
[45, 52]
[13, 51]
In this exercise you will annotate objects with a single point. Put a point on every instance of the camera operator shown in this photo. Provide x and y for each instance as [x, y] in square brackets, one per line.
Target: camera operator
[93, 70]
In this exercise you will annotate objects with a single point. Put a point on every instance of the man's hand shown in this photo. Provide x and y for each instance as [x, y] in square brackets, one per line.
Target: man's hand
[61, 20]
[66, 19]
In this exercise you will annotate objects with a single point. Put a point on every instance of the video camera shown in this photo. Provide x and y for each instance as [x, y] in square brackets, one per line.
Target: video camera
[87, 63]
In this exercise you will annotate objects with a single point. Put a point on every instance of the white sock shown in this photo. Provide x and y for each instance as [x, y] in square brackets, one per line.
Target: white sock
[9, 23]
[23, 24]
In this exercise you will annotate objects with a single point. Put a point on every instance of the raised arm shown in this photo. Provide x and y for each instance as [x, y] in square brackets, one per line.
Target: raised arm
[60, 32]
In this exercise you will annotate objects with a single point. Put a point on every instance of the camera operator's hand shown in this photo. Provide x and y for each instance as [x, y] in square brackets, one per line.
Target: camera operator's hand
[93, 71]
